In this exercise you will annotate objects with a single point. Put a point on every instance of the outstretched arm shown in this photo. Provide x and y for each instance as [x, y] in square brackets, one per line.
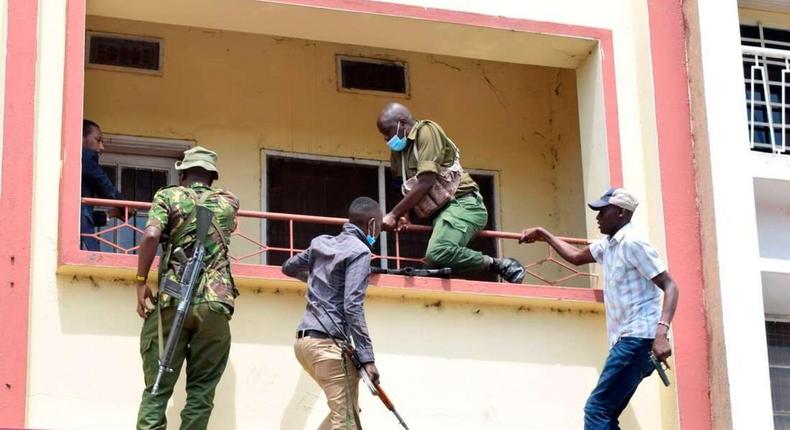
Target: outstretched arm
[567, 251]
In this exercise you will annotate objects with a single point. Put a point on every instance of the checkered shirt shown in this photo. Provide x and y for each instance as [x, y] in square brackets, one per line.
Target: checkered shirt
[631, 299]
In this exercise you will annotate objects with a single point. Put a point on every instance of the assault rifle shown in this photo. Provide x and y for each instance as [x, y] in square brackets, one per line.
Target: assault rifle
[412, 271]
[660, 368]
[184, 291]
[347, 347]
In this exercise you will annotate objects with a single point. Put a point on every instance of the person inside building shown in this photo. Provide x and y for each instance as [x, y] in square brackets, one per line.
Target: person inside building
[95, 183]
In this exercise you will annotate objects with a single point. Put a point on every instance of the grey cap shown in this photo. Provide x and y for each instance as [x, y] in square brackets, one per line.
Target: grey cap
[615, 196]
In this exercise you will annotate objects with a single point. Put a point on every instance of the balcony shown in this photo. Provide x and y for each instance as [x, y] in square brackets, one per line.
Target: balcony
[548, 277]
[538, 130]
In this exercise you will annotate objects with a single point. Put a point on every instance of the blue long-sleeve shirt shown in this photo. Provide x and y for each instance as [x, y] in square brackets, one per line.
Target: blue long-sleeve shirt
[95, 182]
[336, 269]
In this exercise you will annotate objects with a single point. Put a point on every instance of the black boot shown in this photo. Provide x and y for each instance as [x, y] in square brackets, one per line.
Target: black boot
[509, 269]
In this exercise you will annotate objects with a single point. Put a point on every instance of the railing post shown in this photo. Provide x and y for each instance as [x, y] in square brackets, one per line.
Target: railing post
[397, 249]
[291, 236]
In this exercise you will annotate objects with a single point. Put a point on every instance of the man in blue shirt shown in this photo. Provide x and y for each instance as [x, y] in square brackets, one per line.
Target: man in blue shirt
[95, 183]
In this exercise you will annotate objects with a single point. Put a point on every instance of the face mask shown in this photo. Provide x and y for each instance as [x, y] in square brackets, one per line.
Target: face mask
[370, 238]
[397, 143]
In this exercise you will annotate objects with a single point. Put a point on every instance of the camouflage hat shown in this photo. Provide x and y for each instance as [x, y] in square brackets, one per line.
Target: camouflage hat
[199, 157]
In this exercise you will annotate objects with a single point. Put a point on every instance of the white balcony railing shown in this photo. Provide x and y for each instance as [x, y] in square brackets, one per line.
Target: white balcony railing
[766, 78]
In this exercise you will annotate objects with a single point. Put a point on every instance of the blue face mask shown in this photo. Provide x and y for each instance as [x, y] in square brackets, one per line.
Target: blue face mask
[370, 238]
[397, 143]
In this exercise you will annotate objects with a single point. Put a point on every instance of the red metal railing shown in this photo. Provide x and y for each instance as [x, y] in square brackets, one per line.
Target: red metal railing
[129, 208]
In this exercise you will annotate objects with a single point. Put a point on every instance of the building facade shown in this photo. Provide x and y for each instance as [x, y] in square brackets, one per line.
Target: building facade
[550, 103]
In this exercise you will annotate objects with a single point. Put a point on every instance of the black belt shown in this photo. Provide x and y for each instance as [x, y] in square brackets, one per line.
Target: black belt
[315, 334]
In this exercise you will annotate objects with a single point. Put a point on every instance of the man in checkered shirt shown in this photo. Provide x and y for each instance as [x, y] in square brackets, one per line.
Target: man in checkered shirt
[636, 321]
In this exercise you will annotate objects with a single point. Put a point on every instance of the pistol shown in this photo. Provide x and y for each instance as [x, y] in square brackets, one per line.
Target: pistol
[660, 368]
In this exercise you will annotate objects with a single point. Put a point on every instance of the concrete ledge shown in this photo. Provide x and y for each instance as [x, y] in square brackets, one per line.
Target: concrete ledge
[250, 276]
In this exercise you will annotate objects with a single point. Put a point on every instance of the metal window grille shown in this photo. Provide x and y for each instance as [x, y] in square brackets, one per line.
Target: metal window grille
[766, 66]
[778, 337]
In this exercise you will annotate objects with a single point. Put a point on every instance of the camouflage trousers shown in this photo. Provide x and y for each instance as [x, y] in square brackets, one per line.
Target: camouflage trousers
[205, 344]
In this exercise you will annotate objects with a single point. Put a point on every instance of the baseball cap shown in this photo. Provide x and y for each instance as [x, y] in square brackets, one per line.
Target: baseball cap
[615, 196]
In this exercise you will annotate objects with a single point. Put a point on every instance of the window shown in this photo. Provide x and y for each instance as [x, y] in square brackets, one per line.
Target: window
[766, 79]
[778, 334]
[371, 75]
[138, 167]
[315, 185]
[122, 52]
[138, 178]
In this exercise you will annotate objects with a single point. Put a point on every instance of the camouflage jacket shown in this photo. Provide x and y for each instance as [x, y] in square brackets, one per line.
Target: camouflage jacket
[170, 212]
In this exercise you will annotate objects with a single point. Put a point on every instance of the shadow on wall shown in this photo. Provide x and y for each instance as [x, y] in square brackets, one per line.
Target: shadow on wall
[223, 417]
[307, 395]
[398, 326]
[411, 329]
[107, 307]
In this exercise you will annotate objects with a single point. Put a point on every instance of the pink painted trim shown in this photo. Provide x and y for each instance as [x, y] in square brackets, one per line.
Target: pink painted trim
[71, 155]
[681, 215]
[73, 98]
[257, 271]
[17, 203]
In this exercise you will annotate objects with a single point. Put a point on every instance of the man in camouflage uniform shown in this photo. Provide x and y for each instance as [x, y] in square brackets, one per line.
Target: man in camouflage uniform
[205, 339]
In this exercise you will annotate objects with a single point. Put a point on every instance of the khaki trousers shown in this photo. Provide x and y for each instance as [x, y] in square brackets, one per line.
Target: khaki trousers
[323, 361]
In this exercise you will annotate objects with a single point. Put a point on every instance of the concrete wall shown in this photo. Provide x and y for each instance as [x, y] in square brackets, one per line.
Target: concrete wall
[240, 93]
[740, 384]
[448, 366]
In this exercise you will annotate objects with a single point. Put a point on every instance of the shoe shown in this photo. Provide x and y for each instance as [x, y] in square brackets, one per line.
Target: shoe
[510, 270]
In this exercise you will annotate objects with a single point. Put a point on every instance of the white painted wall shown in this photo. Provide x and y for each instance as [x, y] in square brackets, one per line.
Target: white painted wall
[735, 220]
[772, 202]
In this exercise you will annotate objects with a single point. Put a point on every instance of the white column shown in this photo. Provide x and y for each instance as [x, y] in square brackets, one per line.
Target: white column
[731, 244]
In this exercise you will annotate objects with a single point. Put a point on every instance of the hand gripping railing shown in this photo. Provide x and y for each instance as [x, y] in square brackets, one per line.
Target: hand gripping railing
[129, 208]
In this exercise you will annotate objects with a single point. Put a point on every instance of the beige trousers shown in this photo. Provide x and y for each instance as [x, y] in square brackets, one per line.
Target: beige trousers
[323, 361]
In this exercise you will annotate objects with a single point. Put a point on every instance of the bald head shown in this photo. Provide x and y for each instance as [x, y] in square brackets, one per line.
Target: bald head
[392, 115]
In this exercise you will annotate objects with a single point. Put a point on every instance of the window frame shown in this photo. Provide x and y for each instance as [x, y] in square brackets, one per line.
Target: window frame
[768, 127]
[160, 41]
[381, 165]
[785, 319]
[406, 95]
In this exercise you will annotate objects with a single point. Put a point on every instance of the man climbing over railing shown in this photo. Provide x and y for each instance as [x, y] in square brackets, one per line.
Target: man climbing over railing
[637, 324]
[436, 186]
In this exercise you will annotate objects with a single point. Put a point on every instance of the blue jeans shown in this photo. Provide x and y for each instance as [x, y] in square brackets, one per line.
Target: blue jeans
[627, 364]
[86, 226]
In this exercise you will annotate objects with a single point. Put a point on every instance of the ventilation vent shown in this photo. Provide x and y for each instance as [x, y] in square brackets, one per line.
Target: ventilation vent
[371, 75]
[122, 52]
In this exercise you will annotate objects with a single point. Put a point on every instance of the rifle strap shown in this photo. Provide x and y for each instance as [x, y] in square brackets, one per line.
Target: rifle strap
[159, 329]
[199, 200]
[351, 407]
